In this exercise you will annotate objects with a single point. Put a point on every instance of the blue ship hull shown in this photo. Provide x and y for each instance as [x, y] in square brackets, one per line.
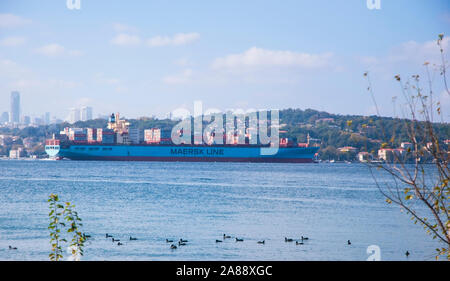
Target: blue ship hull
[186, 153]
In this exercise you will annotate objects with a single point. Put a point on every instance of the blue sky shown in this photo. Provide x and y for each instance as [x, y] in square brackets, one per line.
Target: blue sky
[145, 58]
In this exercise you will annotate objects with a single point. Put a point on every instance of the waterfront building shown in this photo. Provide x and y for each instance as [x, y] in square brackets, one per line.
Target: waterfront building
[364, 156]
[16, 153]
[391, 154]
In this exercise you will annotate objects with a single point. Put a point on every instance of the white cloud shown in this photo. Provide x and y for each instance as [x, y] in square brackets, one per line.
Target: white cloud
[56, 50]
[12, 41]
[101, 78]
[11, 70]
[124, 39]
[112, 82]
[74, 53]
[176, 40]
[410, 54]
[258, 57]
[181, 78]
[120, 27]
[10, 20]
[51, 50]
[368, 60]
[418, 52]
[33, 83]
[183, 62]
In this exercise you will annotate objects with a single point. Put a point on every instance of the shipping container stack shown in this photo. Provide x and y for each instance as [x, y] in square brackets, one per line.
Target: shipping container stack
[77, 135]
[92, 135]
[99, 135]
[108, 136]
[166, 136]
[62, 138]
[135, 135]
[152, 135]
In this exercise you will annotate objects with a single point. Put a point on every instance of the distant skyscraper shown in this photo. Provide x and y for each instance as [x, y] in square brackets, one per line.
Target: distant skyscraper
[74, 115]
[4, 117]
[86, 113]
[26, 120]
[38, 121]
[15, 107]
[47, 118]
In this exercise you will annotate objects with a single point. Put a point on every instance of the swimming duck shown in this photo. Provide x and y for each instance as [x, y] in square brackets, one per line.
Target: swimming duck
[12, 248]
[289, 239]
[119, 244]
[183, 241]
[304, 238]
[169, 241]
[131, 238]
[239, 240]
[173, 246]
[226, 236]
[115, 240]
[108, 236]
[218, 241]
[261, 242]
[298, 243]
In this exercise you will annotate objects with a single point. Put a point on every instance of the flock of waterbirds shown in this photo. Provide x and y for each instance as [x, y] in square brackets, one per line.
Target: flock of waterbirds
[118, 240]
[183, 242]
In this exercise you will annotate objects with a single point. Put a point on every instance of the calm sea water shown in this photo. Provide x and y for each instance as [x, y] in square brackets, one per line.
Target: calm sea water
[329, 203]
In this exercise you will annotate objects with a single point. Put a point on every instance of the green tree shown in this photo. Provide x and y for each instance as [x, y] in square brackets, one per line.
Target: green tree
[55, 226]
[59, 215]
[78, 238]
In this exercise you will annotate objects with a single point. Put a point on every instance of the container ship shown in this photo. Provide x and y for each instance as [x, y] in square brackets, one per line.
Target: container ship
[120, 143]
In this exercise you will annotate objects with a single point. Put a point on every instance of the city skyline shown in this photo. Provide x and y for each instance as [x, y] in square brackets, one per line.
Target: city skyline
[15, 117]
[145, 59]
